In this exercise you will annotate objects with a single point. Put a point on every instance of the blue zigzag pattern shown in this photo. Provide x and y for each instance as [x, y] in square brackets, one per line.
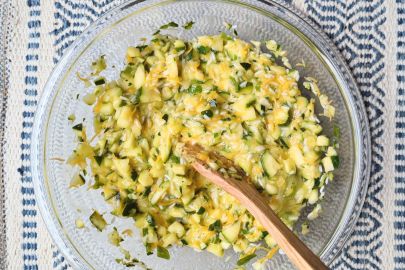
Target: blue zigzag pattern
[72, 17]
[356, 29]
[399, 213]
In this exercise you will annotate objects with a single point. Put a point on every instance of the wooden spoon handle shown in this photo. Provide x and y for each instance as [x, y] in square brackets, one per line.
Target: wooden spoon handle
[296, 250]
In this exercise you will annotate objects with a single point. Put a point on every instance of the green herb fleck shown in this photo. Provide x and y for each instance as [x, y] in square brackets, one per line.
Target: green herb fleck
[163, 253]
[336, 132]
[147, 191]
[98, 159]
[184, 242]
[335, 161]
[203, 49]
[201, 211]
[188, 25]
[175, 159]
[189, 56]
[141, 47]
[78, 127]
[99, 81]
[207, 113]
[194, 89]
[165, 117]
[134, 175]
[317, 182]
[246, 66]
[170, 24]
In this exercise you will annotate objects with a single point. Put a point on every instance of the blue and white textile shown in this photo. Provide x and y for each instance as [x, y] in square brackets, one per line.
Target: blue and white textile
[370, 35]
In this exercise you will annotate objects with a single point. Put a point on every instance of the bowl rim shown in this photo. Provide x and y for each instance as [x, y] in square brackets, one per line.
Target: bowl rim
[314, 38]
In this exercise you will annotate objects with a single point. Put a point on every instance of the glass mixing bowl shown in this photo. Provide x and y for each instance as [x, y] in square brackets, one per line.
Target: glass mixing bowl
[125, 25]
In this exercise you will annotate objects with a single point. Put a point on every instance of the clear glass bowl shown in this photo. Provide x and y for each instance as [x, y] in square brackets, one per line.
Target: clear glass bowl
[126, 25]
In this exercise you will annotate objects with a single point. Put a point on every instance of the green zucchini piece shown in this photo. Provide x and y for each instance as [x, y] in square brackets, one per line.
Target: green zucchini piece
[115, 238]
[98, 221]
[77, 181]
[269, 163]
[99, 81]
[231, 232]
[245, 259]
[216, 226]
[246, 66]
[335, 161]
[163, 253]
[78, 127]
[109, 193]
[129, 208]
[201, 211]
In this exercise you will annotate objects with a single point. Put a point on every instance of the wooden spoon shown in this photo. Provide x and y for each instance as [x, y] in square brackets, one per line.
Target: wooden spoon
[231, 178]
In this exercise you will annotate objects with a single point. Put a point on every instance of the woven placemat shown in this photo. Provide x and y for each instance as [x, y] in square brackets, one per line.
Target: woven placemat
[370, 35]
[5, 36]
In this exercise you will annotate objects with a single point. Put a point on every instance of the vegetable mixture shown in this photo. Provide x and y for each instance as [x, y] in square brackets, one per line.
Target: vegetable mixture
[226, 95]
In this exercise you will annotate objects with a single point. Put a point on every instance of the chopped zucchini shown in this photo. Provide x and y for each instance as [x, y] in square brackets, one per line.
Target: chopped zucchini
[98, 221]
[231, 232]
[322, 140]
[77, 181]
[270, 164]
[139, 78]
[216, 249]
[145, 179]
[163, 253]
[115, 238]
[225, 95]
[246, 259]
[327, 164]
[244, 109]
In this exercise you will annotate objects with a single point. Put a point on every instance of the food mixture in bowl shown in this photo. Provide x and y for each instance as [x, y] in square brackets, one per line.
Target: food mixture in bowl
[227, 95]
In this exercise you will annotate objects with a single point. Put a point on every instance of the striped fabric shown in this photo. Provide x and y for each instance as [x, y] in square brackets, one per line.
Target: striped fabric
[399, 213]
[370, 35]
[356, 29]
